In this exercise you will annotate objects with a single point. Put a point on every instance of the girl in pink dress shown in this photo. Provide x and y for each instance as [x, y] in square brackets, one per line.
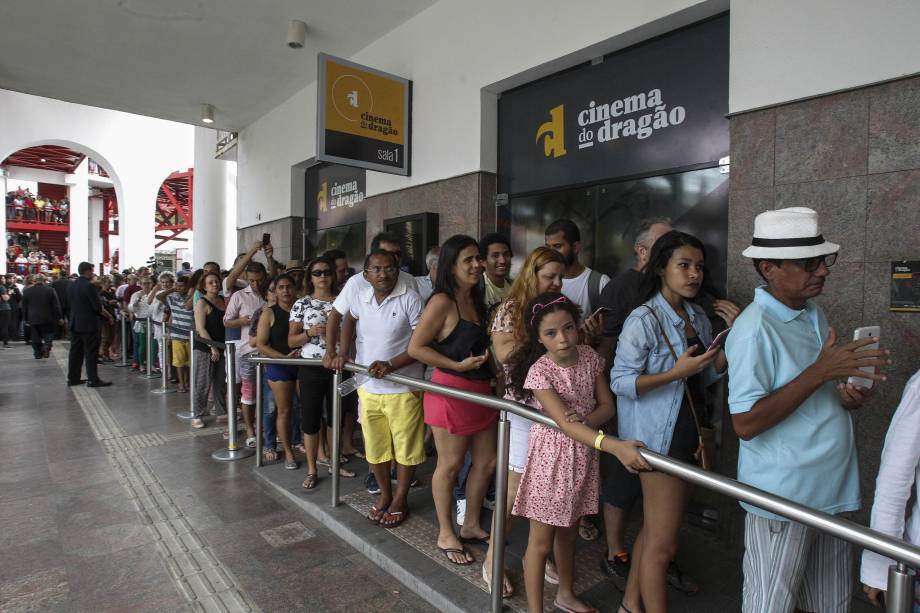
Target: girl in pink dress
[560, 482]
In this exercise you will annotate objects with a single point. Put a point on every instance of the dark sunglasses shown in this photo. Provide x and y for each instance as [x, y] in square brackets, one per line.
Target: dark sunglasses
[812, 264]
[322, 273]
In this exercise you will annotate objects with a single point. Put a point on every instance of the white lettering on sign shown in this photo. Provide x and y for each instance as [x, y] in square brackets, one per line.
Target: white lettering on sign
[345, 195]
[601, 123]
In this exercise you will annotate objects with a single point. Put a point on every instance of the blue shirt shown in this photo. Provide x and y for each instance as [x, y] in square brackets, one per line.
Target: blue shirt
[809, 457]
[641, 350]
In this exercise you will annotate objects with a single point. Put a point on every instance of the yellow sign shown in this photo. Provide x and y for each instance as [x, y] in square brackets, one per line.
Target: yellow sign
[553, 133]
[363, 116]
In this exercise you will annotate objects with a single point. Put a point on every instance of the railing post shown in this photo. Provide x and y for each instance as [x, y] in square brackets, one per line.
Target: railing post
[900, 595]
[148, 350]
[258, 415]
[124, 342]
[191, 378]
[501, 511]
[164, 361]
[336, 435]
[233, 451]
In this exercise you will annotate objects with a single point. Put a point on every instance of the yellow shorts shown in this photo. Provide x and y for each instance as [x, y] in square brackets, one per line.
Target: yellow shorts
[179, 353]
[393, 426]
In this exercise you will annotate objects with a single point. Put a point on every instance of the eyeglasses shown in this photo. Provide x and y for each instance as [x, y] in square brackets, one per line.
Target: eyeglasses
[812, 264]
[376, 270]
[321, 273]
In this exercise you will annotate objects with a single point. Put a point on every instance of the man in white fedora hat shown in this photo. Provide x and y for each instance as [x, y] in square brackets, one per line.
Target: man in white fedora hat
[793, 418]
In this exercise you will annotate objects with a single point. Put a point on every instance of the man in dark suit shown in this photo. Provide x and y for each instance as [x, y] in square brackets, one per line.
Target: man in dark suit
[85, 312]
[41, 309]
[60, 285]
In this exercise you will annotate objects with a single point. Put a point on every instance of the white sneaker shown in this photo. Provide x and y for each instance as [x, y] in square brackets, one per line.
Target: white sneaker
[461, 512]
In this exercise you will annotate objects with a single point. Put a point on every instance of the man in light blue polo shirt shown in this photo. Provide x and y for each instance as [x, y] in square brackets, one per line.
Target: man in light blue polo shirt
[793, 418]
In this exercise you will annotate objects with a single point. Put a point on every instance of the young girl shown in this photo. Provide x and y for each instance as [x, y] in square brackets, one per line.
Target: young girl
[560, 480]
[658, 395]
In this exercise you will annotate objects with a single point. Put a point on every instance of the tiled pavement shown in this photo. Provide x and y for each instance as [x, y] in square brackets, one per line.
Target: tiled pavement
[110, 503]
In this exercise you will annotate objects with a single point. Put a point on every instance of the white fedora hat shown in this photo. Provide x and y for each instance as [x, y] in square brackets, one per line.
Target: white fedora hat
[788, 234]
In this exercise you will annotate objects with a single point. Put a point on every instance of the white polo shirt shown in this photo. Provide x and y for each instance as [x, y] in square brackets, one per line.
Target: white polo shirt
[384, 330]
[357, 284]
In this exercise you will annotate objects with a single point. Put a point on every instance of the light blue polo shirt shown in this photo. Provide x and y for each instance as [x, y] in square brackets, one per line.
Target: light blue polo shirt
[809, 457]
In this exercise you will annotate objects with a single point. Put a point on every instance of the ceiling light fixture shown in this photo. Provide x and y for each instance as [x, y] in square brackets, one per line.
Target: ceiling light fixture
[44, 160]
[297, 34]
[207, 113]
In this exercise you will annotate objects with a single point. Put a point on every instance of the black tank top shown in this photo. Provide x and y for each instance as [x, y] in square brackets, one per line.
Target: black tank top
[214, 324]
[466, 339]
[277, 337]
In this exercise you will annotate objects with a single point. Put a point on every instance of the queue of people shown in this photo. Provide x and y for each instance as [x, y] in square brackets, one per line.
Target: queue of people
[619, 365]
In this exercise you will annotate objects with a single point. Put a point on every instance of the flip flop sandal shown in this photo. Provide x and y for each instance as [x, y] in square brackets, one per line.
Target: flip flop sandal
[587, 530]
[310, 482]
[375, 515]
[269, 455]
[251, 442]
[566, 609]
[485, 579]
[474, 540]
[343, 472]
[401, 516]
[463, 551]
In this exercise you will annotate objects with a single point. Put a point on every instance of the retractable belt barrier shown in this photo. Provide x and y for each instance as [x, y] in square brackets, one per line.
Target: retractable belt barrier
[123, 322]
[165, 361]
[900, 576]
[148, 347]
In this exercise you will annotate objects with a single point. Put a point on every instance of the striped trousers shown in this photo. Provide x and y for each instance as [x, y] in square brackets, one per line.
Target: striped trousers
[788, 566]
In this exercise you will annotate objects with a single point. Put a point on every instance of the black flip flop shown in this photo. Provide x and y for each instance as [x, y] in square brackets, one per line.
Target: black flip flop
[449, 550]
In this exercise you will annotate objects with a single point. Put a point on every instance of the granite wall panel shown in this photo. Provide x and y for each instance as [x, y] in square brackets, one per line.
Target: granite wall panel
[287, 239]
[855, 158]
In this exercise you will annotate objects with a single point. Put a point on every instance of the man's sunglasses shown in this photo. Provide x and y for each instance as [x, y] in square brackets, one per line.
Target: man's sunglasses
[812, 264]
[322, 273]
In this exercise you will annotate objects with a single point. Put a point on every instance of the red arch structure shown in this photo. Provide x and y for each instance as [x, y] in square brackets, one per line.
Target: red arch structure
[174, 207]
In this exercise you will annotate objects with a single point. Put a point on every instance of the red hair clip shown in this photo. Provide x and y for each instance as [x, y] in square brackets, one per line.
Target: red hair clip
[539, 307]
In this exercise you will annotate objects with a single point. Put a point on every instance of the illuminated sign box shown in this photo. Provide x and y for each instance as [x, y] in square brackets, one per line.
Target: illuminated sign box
[364, 117]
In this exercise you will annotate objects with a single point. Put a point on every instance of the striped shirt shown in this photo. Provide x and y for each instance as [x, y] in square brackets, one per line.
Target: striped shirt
[181, 317]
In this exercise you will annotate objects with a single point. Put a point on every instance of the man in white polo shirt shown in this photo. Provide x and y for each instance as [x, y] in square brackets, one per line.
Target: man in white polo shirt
[385, 314]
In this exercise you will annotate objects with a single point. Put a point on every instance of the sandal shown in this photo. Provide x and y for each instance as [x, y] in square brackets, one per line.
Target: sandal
[310, 482]
[269, 455]
[375, 515]
[681, 582]
[587, 530]
[328, 462]
[291, 465]
[506, 593]
[388, 521]
[566, 609]
[300, 449]
[343, 472]
[462, 550]
[251, 442]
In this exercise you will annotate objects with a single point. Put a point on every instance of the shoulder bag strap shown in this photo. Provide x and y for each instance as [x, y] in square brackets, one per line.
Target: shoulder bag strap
[687, 395]
[594, 290]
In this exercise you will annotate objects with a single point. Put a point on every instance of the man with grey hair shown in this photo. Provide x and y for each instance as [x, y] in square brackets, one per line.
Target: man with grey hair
[426, 282]
[41, 309]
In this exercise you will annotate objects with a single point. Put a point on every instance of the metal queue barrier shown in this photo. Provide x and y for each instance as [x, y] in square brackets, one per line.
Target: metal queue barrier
[191, 378]
[124, 339]
[148, 347]
[165, 361]
[900, 576]
[233, 451]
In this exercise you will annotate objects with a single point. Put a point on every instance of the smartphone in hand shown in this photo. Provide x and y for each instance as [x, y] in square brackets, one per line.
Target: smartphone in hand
[858, 335]
[266, 239]
[719, 340]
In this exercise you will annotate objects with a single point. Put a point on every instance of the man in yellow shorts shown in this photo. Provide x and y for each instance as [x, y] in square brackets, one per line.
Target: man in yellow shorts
[392, 421]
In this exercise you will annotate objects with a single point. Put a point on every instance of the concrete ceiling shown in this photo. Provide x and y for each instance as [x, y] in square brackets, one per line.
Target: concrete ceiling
[164, 58]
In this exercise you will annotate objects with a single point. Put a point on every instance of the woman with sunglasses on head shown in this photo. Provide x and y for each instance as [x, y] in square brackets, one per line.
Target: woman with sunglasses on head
[660, 374]
[308, 331]
[452, 336]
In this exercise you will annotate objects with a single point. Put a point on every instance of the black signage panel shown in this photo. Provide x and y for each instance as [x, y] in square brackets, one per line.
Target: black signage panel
[337, 195]
[657, 106]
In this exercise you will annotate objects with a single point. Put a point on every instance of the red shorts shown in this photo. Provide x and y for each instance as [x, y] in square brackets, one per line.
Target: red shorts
[460, 417]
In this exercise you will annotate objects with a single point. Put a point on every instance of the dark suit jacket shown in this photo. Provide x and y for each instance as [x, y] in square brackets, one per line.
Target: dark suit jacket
[40, 305]
[85, 306]
[60, 288]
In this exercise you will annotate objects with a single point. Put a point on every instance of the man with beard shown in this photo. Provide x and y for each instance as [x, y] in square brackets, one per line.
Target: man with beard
[580, 284]
[495, 250]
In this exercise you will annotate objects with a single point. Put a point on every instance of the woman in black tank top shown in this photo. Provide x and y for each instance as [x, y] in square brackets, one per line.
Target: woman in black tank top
[272, 342]
[452, 337]
[209, 370]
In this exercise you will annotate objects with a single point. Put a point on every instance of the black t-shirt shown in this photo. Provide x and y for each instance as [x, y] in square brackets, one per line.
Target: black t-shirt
[621, 296]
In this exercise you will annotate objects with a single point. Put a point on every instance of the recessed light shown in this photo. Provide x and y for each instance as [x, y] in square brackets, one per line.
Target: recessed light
[44, 160]
[207, 113]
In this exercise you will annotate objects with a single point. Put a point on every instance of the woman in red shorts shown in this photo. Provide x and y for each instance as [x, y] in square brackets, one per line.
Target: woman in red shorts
[452, 337]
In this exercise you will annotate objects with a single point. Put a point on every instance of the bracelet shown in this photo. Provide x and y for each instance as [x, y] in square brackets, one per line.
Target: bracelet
[599, 440]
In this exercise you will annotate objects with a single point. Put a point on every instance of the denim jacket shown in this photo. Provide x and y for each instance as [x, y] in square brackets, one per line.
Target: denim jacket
[641, 350]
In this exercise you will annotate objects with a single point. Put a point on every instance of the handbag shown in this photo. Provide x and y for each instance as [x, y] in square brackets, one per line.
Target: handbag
[706, 448]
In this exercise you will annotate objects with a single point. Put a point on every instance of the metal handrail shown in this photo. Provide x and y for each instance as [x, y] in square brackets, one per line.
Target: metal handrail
[883, 544]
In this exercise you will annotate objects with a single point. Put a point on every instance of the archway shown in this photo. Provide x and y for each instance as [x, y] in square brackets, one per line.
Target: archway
[57, 173]
[173, 216]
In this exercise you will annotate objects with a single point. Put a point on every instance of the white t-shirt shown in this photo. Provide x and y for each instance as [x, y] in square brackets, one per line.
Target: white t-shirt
[383, 333]
[357, 284]
[576, 290]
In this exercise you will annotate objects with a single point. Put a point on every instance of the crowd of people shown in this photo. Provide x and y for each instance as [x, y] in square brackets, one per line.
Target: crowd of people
[618, 364]
[23, 205]
[28, 258]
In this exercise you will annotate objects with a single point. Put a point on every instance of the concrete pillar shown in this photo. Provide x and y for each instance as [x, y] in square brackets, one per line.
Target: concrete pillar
[95, 241]
[3, 269]
[78, 194]
[209, 201]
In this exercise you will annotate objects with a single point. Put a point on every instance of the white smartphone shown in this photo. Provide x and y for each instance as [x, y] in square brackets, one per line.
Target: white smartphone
[858, 335]
[599, 311]
[719, 340]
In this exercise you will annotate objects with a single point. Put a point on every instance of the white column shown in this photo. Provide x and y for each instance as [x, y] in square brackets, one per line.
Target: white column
[80, 231]
[209, 202]
[96, 205]
[3, 269]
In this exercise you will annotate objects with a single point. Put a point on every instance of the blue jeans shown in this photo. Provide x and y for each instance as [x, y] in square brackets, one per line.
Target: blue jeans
[269, 418]
[460, 490]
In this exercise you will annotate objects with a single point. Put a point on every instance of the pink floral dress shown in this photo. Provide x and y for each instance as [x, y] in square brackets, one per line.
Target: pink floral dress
[560, 480]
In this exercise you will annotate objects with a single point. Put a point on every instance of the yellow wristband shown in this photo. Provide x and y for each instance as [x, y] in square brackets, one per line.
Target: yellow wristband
[599, 440]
